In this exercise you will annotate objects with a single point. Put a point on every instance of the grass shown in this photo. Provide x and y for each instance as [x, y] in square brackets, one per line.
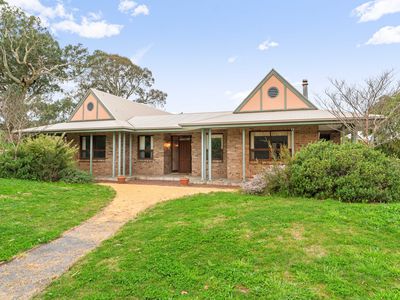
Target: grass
[32, 213]
[227, 245]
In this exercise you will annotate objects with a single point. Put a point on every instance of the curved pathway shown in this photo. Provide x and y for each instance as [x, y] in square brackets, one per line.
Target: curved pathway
[31, 272]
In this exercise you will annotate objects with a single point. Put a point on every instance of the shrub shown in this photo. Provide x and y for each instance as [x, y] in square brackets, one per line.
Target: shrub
[276, 180]
[44, 158]
[255, 186]
[348, 172]
[73, 175]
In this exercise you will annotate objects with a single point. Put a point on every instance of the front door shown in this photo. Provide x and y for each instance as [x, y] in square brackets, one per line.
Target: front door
[185, 154]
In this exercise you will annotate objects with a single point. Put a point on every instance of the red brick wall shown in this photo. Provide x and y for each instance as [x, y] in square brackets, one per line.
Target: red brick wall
[230, 167]
[153, 166]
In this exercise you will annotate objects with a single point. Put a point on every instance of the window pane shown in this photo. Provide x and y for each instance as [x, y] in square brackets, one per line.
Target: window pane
[147, 143]
[84, 147]
[261, 142]
[99, 142]
[261, 154]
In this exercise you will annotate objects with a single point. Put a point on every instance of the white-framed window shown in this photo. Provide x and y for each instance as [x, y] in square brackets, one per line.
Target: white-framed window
[99, 147]
[145, 147]
[217, 146]
[267, 145]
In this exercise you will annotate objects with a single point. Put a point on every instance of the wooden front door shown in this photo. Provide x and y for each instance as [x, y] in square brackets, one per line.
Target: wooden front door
[185, 155]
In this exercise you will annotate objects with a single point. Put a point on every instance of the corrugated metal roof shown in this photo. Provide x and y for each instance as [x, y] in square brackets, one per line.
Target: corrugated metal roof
[288, 116]
[195, 120]
[171, 121]
[82, 126]
[123, 109]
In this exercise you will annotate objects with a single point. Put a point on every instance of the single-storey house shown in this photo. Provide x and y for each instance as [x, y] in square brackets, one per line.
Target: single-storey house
[116, 136]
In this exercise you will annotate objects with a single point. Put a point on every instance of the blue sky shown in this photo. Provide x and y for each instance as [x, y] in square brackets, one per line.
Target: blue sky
[208, 54]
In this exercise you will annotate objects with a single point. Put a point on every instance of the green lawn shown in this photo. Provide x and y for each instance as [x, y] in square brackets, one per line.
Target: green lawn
[227, 245]
[33, 213]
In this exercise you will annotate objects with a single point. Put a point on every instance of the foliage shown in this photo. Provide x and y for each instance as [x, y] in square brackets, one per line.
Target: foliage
[273, 179]
[361, 107]
[388, 107]
[74, 175]
[119, 76]
[235, 246]
[33, 213]
[33, 65]
[349, 172]
[276, 180]
[255, 186]
[44, 158]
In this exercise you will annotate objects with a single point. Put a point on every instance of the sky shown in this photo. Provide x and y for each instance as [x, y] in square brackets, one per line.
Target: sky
[208, 55]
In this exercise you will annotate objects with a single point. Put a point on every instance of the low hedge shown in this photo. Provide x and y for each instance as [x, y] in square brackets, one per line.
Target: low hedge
[350, 172]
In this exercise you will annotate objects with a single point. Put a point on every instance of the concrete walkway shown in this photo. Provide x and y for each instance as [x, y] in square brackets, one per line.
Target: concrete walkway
[31, 272]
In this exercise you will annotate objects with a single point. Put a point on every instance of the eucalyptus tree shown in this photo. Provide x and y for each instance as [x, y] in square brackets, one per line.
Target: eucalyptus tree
[119, 76]
[32, 66]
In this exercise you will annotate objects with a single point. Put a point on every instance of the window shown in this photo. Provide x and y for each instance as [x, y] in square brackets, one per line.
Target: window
[145, 147]
[217, 146]
[267, 145]
[90, 106]
[273, 92]
[325, 136]
[99, 147]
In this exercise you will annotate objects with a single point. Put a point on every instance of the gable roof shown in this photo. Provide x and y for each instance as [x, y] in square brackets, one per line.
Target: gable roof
[287, 84]
[120, 108]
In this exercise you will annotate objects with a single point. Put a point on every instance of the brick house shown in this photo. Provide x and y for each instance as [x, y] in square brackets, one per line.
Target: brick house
[116, 136]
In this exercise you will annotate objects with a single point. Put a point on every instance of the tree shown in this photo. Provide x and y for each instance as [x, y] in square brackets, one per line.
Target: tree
[362, 108]
[119, 76]
[32, 65]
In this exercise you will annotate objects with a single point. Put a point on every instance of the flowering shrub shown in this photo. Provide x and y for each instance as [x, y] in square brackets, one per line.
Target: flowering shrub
[255, 186]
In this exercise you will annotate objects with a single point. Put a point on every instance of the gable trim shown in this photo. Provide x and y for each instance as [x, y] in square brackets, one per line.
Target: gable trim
[80, 103]
[286, 85]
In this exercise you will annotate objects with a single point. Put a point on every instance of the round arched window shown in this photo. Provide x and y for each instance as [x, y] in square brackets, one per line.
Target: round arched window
[90, 106]
[273, 92]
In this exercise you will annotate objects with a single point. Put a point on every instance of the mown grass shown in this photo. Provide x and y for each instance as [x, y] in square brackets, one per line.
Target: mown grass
[33, 213]
[227, 245]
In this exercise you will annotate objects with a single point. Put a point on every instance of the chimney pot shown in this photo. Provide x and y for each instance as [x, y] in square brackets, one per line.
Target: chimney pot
[305, 88]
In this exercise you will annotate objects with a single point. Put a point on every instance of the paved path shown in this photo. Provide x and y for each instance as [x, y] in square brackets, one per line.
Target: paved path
[32, 271]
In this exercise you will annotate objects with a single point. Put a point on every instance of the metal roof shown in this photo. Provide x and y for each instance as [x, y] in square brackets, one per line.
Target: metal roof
[124, 109]
[196, 120]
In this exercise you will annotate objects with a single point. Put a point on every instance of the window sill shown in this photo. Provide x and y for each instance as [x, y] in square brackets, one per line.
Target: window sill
[265, 162]
[145, 159]
[93, 160]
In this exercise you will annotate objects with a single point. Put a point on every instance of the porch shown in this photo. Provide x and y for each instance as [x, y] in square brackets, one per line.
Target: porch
[236, 153]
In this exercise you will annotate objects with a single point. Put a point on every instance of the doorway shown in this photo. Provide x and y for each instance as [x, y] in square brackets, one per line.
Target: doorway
[181, 154]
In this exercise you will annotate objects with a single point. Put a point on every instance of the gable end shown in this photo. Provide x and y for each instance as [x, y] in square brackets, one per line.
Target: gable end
[274, 93]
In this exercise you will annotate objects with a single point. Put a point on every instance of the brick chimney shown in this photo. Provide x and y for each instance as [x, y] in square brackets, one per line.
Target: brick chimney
[305, 88]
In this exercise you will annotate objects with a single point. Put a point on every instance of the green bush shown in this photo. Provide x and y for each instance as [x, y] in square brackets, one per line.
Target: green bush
[73, 175]
[348, 172]
[43, 158]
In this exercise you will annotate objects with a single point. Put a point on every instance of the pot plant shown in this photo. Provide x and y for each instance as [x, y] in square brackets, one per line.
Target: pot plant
[121, 179]
[184, 181]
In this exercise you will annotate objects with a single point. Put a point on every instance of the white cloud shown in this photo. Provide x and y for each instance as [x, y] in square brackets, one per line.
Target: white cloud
[267, 45]
[45, 13]
[232, 59]
[132, 8]
[385, 35]
[237, 96]
[58, 19]
[139, 54]
[141, 10]
[374, 10]
[126, 5]
[95, 16]
[95, 29]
